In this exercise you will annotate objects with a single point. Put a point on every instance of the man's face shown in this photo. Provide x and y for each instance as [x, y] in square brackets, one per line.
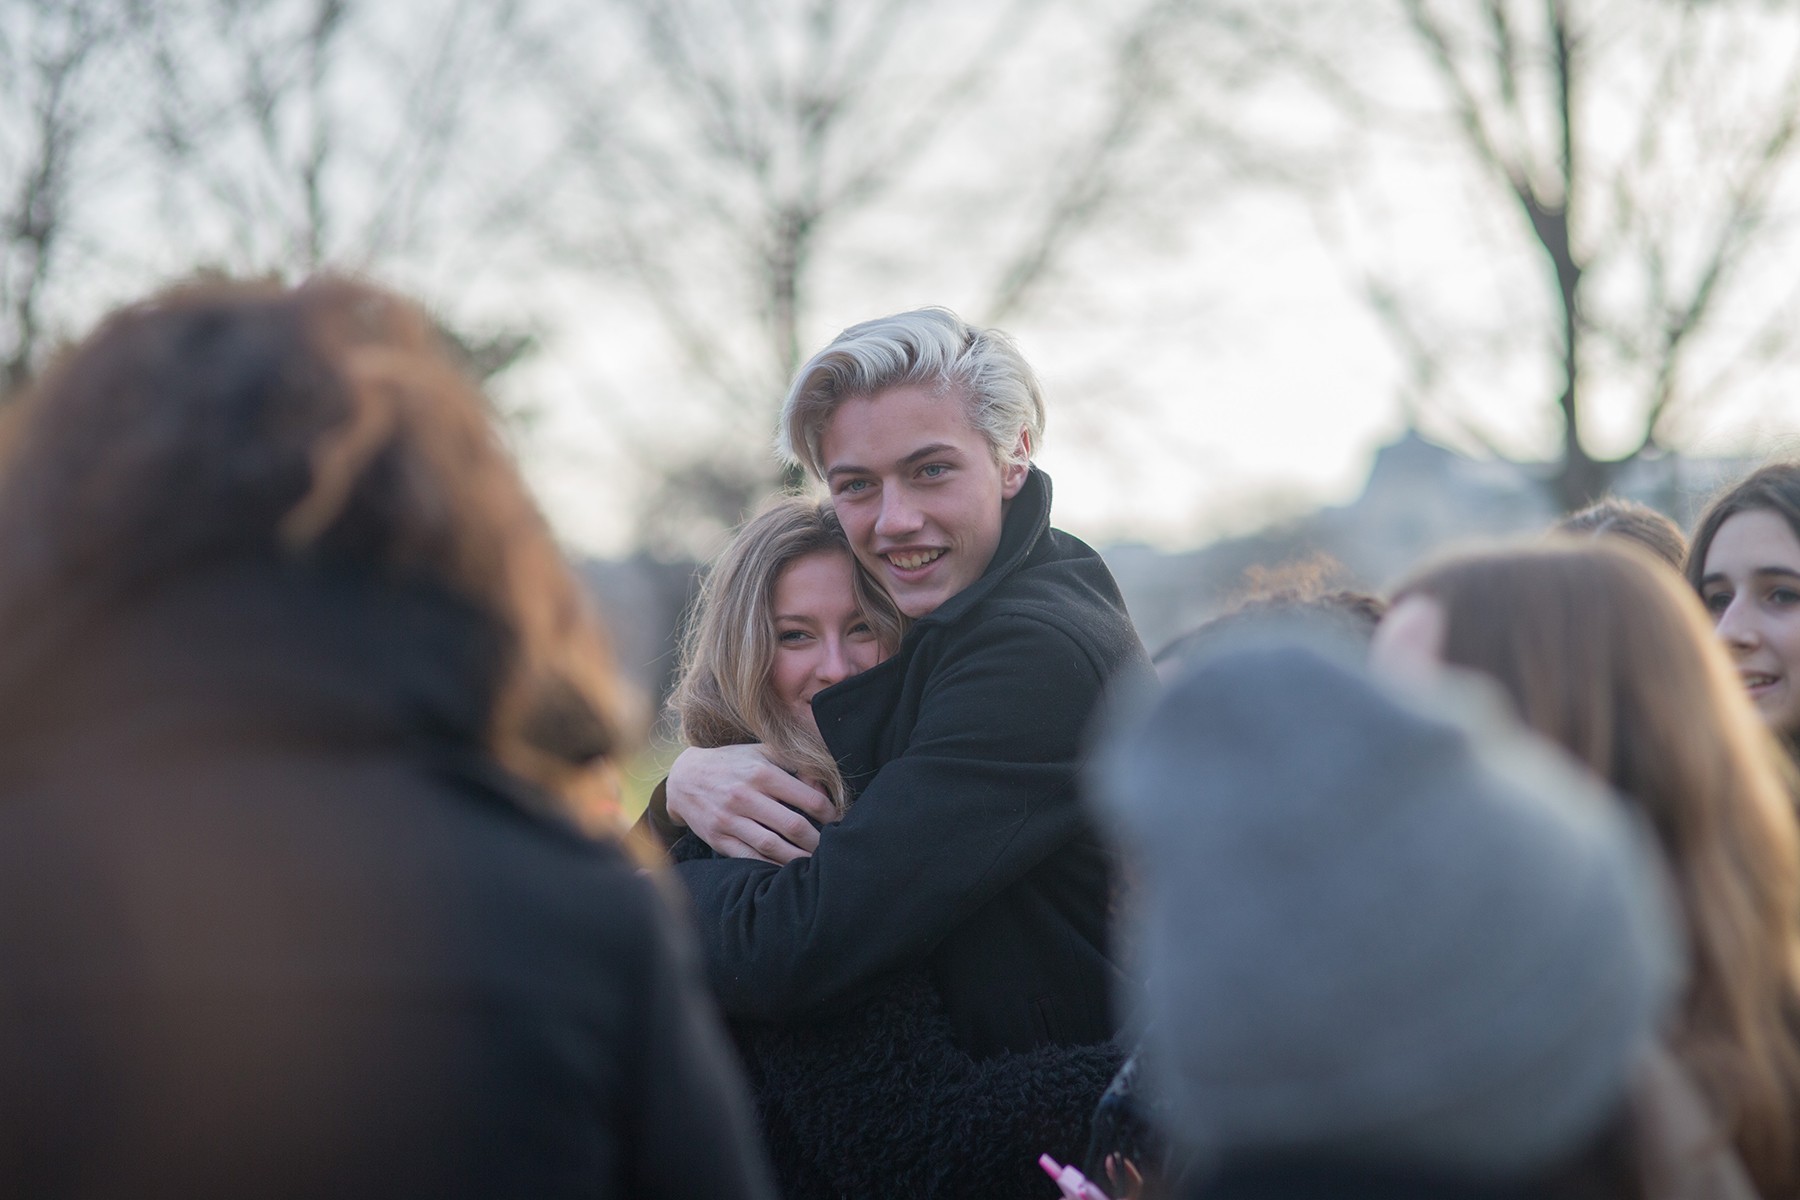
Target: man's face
[918, 491]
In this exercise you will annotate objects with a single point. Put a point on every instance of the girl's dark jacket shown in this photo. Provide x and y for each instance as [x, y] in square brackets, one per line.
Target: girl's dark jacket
[272, 923]
[881, 1102]
[966, 852]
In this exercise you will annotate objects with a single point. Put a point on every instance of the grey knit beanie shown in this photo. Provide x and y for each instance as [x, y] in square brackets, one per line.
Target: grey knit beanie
[1377, 929]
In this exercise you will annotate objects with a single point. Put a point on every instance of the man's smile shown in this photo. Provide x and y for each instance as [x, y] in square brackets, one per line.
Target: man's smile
[912, 560]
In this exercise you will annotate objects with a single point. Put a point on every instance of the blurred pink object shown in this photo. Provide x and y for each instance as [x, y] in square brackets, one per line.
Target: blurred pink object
[1074, 1185]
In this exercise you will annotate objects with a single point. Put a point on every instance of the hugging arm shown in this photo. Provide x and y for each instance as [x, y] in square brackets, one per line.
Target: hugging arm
[739, 803]
[742, 805]
[984, 792]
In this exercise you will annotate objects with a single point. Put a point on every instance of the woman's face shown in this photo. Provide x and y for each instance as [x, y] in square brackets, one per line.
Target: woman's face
[820, 634]
[1750, 582]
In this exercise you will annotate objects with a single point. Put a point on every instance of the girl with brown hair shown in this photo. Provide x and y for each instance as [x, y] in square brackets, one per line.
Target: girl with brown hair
[782, 614]
[1604, 652]
[1745, 563]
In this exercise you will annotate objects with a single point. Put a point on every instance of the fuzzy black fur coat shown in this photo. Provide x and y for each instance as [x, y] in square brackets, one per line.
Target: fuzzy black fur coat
[880, 1102]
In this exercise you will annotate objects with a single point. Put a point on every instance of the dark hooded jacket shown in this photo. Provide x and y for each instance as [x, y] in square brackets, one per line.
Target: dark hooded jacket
[966, 852]
[273, 923]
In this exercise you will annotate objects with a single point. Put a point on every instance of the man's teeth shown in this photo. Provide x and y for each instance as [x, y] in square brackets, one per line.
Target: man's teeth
[912, 562]
[1758, 680]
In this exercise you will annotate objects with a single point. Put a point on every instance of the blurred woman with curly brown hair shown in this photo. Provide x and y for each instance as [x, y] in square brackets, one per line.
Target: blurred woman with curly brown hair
[293, 679]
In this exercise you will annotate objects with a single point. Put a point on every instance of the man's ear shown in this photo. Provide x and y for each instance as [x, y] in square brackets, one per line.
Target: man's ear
[1014, 470]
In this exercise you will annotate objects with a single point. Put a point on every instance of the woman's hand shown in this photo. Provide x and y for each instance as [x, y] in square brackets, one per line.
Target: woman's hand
[744, 806]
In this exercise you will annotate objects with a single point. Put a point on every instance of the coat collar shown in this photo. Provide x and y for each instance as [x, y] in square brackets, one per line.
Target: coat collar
[1027, 521]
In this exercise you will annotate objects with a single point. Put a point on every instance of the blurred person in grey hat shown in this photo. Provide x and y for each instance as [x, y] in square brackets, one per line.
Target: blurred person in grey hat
[1125, 1137]
[1393, 948]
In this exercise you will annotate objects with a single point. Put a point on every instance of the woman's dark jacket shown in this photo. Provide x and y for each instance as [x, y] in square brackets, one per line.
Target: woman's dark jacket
[881, 1102]
[966, 852]
[273, 924]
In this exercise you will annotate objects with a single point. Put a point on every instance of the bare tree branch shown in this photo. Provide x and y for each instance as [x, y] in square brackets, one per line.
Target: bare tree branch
[734, 149]
[51, 58]
[1667, 217]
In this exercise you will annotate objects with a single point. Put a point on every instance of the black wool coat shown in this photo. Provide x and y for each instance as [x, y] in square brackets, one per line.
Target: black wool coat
[966, 853]
[273, 924]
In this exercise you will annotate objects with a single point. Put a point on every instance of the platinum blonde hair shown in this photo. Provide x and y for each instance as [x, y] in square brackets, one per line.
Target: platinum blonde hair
[725, 695]
[932, 347]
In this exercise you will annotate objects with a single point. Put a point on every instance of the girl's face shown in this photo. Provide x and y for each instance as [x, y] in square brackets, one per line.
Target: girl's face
[1750, 582]
[820, 634]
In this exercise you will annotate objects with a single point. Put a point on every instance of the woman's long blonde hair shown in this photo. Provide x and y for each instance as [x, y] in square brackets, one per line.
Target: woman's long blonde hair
[1605, 651]
[726, 695]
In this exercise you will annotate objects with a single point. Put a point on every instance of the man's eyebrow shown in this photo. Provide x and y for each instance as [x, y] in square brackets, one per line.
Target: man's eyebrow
[931, 451]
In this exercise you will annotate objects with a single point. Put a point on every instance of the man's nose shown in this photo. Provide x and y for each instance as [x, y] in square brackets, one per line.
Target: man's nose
[898, 516]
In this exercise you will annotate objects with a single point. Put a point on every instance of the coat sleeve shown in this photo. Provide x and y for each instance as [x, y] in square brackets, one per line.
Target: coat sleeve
[694, 1131]
[983, 793]
[655, 821]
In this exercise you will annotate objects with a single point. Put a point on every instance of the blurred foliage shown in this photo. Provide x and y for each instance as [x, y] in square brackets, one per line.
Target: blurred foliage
[642, 772]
